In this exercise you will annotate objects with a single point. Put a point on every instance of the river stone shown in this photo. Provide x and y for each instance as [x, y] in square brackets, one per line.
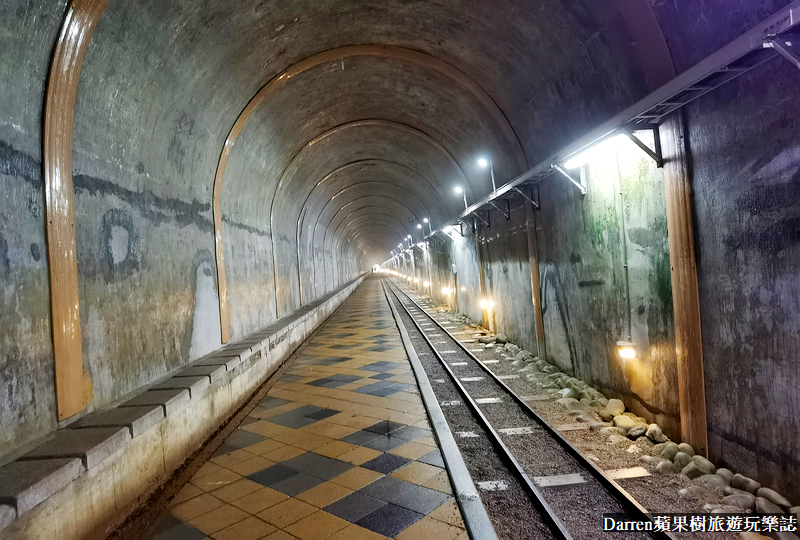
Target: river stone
[501, 338]
[655, 434]
[586, 417]
[489, 346]
[612, 431]
[569, 393]
[705, 466]
[640, 420]
[710, 481]
[774, 497]
[616, 439]
[630, 415]
[519, 363]
[721, 509]
[686, 449]
[623, 422]
[699, 492]
[666, 467]
[691, 470]
[744, 483]
[602, 399]
[486, 339]
[597, 426]
[743, 500]
[795, 510]
[764, 506]
[725, 473]
[670, 451]
[658, 448]
[681, 460]
[605, 415]
[615, 407]
[637, 431]
[650, 460]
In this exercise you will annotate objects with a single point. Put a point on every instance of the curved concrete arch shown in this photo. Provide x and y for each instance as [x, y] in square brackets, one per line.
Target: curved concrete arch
[382, 51]
[339, 236]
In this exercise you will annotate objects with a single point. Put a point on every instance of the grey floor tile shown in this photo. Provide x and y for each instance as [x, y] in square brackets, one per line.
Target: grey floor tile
[354, 507]
[385, 463]
[434, 458]
[297, 484]
[385, 443]
[384, 426]
[168, 527]
[389, 520]
[274, 474]
[386, 488]
[410, 433]
[421, 499]
[360, 437]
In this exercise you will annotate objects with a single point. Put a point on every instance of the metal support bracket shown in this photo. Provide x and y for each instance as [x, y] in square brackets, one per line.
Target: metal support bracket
[507, 213]
[569, 177]
[529, 199]
[787, 46]
[475, 214]
[656, 156]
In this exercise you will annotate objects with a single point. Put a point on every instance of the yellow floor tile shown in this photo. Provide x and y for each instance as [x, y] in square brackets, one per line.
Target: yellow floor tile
[265, 428]
[263, 447]
[412, 450]
[188, 491]
[359, 455]
[237, 490]
[254, 465]
[324, 494]
[216, 480]
[218, 519]
[335, 449]
[284, 514]
[428, 440]
[448, 513]
[354, 532]
[207, 468]
[416, 472]
[317, 526]
[237, 456]
[338, 432]
[356, 478]
[260, 500]
[282, 454]
[429, 528]
[251, 528]
[196, 507]
[279, 535]
[440, 482]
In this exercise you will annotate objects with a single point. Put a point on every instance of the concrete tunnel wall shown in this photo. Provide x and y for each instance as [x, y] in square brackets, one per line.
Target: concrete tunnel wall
[338, 163]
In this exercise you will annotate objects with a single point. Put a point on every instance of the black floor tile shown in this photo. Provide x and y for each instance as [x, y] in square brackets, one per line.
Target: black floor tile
[389, 520]
[385, 443]
[421, 499]
[382, 376]
[410, 433]
[360, 437]
[297, 484]
[270, 402]
[385, 463]
[273, 475]
[386, 488]
[242, 439]
[384, 426]
[168, 527]
[354, 507]
[321, 415]
[434, 458]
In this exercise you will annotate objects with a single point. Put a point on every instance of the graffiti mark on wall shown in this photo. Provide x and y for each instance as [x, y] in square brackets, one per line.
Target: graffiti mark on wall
[206, 335]
[556, 312]
[118, 244]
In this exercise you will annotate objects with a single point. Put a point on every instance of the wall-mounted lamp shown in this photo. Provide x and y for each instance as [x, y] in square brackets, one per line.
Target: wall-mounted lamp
[484, 162]
[445, 291]
[460, 191]
[416, 280]
[487, 304]
[426, 284]
[627, 350]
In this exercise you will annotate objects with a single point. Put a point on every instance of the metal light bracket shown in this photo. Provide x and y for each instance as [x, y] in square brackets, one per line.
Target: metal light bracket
[529, 199]
[656, 156]
[787, 45]
[580, 185]
[507, 213]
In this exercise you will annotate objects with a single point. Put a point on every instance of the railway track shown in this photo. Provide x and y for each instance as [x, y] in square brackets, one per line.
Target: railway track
[510, 450]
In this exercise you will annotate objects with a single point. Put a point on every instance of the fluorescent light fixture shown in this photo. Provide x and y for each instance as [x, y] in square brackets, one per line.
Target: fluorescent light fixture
[483, 163]
[458, 189]
[594, 152]
[419, 225]
[424, 220]
[627, 349]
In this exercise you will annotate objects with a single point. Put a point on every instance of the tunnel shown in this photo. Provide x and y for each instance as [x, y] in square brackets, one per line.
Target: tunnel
[205, 203]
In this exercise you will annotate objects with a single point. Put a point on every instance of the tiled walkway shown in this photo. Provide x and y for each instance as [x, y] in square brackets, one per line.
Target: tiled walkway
[340, 448]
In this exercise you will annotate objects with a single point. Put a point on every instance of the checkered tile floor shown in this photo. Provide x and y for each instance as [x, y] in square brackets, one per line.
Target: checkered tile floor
[340, 448]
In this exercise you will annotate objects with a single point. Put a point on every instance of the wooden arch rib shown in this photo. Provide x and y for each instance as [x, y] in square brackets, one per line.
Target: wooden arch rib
[72, 391]
[332, 55]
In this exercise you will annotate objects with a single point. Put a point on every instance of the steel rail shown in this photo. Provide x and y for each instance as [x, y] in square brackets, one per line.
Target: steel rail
[556, 525]
[614, 489]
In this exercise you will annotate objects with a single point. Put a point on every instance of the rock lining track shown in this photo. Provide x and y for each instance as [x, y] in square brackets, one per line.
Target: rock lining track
[513, 444]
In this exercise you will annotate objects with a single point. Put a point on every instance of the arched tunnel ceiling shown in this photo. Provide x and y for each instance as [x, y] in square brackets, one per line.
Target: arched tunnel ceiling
[301, 89]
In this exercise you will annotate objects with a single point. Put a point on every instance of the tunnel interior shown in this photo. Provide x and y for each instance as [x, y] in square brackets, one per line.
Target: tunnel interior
[232, 162]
